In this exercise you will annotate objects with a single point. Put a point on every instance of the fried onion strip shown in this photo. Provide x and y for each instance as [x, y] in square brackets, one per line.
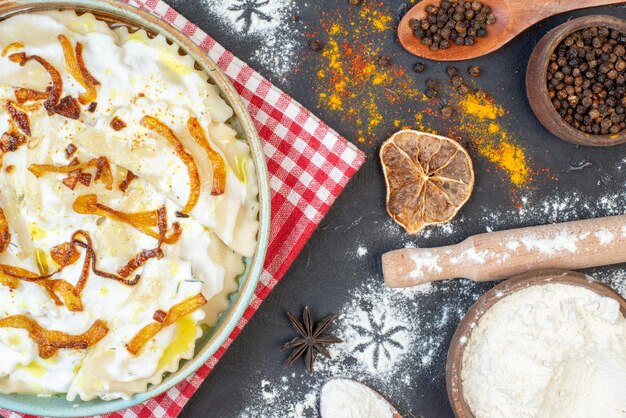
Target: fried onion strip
[64, 254]
[139, 260]
[12, 47]
[5, 233]
[23, 95]
[21, 274]
[69, 294]
[83, 68]
[217, 162]
[10, 275]
[101, 165]
[57, 83]
[86, 244]
[8, 281]
[49, 341]
[77, 69]
[10, 142]
[164, 131]
[20, 118]
[130, 176]
[68, 107]
[177, 311]
[103, 172]
[88, 205]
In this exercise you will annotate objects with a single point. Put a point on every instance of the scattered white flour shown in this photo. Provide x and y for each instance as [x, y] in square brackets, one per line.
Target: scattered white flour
[605, 237]
[268, 23]
[361, 251]
[425, 262]
[562, 242]
[390, 337]
[555, 350]
[344, 398]
[377, 336]
[471, 255]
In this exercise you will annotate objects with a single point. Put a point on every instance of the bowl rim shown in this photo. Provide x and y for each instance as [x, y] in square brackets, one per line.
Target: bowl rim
[128, 14]
[537, 89]
[454, 363]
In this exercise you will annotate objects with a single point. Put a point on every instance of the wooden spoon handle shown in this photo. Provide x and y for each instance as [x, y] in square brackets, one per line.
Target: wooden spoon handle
[497, 255]
[528, 12]
[560, 6]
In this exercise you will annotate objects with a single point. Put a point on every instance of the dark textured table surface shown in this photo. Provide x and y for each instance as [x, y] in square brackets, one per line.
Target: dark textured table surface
[329, 275]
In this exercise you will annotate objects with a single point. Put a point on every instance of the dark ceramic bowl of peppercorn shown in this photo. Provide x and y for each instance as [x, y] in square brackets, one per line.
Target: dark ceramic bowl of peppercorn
[576, 81]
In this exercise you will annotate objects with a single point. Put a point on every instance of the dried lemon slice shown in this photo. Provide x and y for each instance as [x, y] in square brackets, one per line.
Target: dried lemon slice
[429, 178]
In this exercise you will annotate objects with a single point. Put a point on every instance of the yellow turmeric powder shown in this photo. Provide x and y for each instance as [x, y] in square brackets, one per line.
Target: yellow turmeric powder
[478, 121]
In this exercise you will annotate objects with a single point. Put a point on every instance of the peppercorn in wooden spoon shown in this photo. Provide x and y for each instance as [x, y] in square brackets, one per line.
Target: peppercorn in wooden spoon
[456, 30]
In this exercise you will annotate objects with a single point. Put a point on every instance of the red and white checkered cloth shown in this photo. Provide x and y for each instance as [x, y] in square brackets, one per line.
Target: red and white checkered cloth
[309, 165]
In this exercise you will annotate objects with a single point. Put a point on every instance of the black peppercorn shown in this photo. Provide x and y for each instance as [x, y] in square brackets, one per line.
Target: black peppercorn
[431, 83]
[384, 61]
[452, 71]
[586, 78]
[447, 111]
[419, 67]
[474, 71]
[456, 81]
[452, 22]
[316, 45]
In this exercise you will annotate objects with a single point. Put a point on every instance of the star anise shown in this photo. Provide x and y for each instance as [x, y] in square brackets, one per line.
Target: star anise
[312, 338]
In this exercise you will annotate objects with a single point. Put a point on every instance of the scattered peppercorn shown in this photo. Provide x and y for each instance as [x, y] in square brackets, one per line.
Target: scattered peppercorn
[355, 2]
[419, 67]
[586, 80]
[431, 94]
[452, 71]
[295, 18]
[447, 111]
[456, 81]
[452, 21]
[316, 45]
[474, 71]
[384, 61]
[432, 84]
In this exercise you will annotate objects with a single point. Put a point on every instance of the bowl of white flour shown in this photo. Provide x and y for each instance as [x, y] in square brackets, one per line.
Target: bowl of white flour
[543, 344]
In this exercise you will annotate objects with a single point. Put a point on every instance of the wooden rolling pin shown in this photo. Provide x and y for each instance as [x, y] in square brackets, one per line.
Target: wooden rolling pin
[497, 255]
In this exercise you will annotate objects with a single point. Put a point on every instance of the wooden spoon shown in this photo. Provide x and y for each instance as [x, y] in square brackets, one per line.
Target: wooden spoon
[512, 18]
[497, 255]
[338, 383]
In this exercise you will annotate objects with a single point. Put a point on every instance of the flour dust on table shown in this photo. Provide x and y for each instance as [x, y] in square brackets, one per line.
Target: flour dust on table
[267, 23]
[390, 339]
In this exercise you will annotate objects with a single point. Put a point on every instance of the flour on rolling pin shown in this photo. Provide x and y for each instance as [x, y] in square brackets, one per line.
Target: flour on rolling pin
[497, 255]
